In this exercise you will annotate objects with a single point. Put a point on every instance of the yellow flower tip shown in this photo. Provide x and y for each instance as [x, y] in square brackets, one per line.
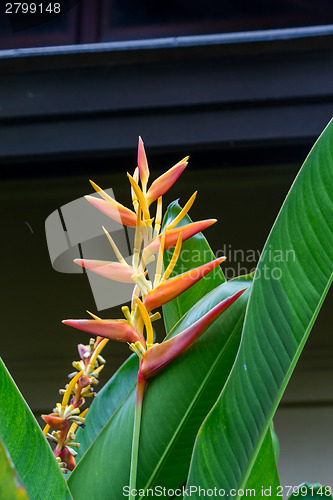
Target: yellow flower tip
[146, 319]
[100, 191]
[221, 259]
[174, 258]
[127, 314]
[95, 186]
[93, 315]
[114, 246]
[138, 348]
[70, 388]
[84, 413]
[46, 428]
[155, 317]
[183, 212]
[96, 352]
[140, 196]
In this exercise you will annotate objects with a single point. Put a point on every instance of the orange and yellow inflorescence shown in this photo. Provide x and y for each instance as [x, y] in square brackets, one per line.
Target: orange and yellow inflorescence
[150, 242]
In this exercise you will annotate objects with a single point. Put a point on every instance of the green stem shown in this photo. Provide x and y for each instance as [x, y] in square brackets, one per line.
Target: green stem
[140, 389]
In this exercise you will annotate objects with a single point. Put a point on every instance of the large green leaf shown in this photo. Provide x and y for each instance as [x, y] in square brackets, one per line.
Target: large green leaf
[31, 454]
[10, 485]
[175, 404]
[106, 403]
[292, 279]
[195, 252]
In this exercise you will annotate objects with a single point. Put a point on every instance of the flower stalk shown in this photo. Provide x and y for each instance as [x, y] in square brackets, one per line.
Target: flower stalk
[140, 389]
[67, 415]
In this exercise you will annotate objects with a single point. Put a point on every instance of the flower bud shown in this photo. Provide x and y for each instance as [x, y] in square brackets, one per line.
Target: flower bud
[55, 421]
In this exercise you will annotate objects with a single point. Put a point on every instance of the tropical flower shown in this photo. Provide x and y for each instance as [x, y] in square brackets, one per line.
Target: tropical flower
[67, 415]
[150, 243]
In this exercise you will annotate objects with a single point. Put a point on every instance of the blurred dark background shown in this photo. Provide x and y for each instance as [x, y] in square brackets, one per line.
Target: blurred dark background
[85, 21]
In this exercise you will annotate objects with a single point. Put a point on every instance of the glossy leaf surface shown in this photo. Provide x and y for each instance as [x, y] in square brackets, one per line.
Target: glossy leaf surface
[175, 404]
[199, 251]
[292, 279]
[109, 398]
[30, 452]
[10, 485]
[264, 475]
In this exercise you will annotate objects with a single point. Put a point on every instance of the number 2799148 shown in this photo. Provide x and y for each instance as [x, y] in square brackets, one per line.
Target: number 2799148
[32, 8]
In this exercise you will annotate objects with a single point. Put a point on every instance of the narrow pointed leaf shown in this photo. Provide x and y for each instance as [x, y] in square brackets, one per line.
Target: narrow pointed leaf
[290, 285]
[175, 403]
[30, 452]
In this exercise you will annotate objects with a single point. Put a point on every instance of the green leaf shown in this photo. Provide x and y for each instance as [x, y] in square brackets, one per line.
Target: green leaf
[291, 281]
[195, 252]
[106, 403]
[10, 484]
[264, 475]
[175, 403]
[30, 452]
[309, 491]
[276, 443]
